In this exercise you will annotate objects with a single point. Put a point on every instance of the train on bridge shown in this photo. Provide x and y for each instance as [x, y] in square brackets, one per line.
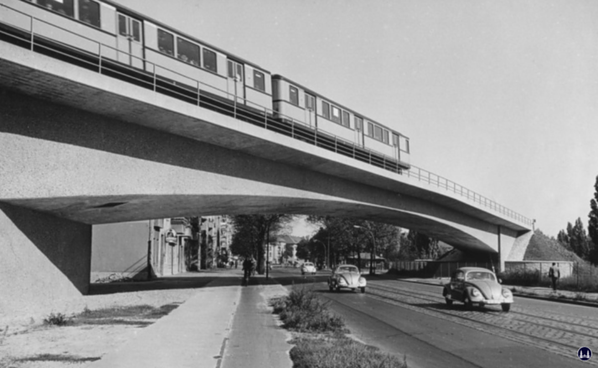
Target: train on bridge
[122, 43]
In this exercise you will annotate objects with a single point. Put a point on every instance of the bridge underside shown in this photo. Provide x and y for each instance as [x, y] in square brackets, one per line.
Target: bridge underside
[68, 165]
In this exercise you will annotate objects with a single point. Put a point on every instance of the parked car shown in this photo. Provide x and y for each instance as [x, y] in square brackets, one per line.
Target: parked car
[476, 285]
[346, 276]
[308, 268]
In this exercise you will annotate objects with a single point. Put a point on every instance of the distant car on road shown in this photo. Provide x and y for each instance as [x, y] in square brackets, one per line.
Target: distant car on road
[476, 285]
[346, 276]
[308, 268]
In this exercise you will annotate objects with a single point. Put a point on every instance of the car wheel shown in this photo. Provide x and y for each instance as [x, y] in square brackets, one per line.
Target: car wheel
[363, 290]
[506, 307]
[448, 301]
[468, 304]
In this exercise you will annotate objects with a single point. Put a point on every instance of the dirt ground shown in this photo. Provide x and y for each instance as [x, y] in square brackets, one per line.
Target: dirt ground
[95, 325]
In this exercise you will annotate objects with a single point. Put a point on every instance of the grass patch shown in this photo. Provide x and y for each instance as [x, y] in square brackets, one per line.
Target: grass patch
[322, 342]
[340, 352]
[57, 358]
[132, 315]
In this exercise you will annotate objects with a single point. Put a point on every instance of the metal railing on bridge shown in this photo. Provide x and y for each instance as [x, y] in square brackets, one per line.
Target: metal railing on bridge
[92, 54]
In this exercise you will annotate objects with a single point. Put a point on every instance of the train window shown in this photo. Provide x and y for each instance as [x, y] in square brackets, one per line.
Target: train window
[136, 30]
[310, 102]
[346, 121]
[187, 51]
[377, 133]
[235, 70]
[165, 42]
[404, 144]
[89, 12]
[259, 82]
[122, 25]
[358, 123]
[395, 139]
[294, 95]
[209, 60]
[370, 132]
[65, 7]
[385, 136]
[336, 114]
[326, 110]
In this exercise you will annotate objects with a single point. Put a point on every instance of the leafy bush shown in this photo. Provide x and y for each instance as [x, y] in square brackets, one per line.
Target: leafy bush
[303, 311]
[340, 352]
[522, 277]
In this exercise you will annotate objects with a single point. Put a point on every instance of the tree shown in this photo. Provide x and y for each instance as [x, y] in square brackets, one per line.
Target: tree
[563, 238]
[593, 225]
[253, 232]
[578, 240]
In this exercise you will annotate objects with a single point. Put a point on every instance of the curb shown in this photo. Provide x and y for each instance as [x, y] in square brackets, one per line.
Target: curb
[523, 295]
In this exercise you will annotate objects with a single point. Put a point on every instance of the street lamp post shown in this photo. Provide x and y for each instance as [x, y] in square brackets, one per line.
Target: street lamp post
[373, 253]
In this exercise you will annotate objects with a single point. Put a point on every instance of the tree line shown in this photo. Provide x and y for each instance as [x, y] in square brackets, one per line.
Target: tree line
[575, 238]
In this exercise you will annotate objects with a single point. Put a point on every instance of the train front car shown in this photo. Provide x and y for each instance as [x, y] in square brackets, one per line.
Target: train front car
[341, 129]
[131, 46]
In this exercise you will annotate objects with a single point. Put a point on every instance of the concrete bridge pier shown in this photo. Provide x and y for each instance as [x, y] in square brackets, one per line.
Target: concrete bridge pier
[44, 259]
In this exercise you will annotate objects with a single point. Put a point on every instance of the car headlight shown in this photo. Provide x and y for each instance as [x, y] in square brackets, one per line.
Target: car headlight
[342, 281]
[361, 281]
[506, 293]
[475, 293]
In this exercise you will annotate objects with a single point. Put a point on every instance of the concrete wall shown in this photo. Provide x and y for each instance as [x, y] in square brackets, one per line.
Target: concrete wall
[44, 259]
[119, 249]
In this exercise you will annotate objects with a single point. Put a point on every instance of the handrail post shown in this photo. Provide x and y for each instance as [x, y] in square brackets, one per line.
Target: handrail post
[155, 79]
[198, 94]
[100, 58]
[32, 39]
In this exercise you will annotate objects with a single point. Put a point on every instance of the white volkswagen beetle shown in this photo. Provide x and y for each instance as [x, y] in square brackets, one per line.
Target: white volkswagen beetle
[346, 276]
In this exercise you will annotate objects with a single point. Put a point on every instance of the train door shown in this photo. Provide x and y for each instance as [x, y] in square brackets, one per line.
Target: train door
[310, 109]
[396, 145]
[129, 41]
[359, 131]
[235, 81]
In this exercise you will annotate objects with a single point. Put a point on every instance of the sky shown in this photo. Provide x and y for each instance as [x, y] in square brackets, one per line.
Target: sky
[498, 96]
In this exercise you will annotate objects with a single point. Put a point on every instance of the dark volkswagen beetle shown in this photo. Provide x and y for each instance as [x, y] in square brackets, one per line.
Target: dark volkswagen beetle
[476, 285]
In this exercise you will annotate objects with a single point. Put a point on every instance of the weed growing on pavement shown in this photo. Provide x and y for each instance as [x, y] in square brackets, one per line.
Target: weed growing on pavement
[56, 319]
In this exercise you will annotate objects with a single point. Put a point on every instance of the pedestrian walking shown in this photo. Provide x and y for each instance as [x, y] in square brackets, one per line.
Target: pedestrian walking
[247, 270]
[554, 273]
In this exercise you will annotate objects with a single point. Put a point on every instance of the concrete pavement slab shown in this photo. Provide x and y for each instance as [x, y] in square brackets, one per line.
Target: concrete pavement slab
[256, 339]
[193, 335]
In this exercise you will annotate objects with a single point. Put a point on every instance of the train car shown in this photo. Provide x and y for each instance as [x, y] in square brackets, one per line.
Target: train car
[108, 30]
[294, 102]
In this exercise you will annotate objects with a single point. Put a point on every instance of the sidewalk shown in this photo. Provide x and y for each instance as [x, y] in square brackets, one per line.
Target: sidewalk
[224, 325]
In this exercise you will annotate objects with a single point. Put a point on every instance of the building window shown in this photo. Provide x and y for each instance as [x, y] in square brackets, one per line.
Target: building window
[187, 51]
[346, 122]
[60, 6]
[259, 81]
[294, 95]
[326, 110]
[209, 60]
[165, 42]
[358, 123]
[89, 12]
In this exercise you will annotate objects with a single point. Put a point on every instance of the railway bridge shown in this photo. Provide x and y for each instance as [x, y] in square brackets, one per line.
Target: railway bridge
[78, 148]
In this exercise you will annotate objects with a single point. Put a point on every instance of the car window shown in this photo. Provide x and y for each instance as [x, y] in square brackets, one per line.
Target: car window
[480, 276]
[347, 269]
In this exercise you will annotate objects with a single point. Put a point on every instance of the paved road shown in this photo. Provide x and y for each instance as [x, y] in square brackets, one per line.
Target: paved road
[412, 319]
